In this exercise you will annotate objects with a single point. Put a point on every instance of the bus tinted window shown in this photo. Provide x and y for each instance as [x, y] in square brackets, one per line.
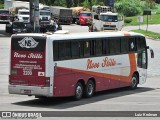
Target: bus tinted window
[61, 50]
[105, 48]
[81, 46]
[98, 47]
[114, 45]
[124, 45]
[21, 43]
[132, 44]
[141, 44]
[75, 49]
[86, 48]
[68, 49]
[55, 49]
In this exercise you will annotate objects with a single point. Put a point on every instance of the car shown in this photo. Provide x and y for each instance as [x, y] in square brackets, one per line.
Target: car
[29, 27]
[18, 27]
[43, 26]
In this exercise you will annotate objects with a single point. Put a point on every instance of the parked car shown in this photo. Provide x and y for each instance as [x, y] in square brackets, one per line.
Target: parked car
[16, 27]
[29, 27]
[43, 26]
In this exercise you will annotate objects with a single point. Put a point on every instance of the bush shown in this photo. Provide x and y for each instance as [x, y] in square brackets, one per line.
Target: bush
[129, 7]
[127, 20]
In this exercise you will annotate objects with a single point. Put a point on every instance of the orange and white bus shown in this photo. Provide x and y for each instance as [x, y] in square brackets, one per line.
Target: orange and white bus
[76, 64]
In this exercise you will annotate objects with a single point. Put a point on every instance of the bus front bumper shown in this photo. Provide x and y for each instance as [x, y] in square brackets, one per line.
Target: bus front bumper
[29, 90]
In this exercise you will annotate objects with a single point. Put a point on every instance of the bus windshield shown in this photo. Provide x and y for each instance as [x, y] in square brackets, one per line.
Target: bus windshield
[109, 18]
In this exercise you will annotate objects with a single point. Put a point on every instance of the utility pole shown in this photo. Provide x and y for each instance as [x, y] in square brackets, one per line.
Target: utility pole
[36, 15]
[31, 12]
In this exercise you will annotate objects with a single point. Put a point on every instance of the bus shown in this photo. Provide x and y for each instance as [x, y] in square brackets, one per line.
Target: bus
[76, 64]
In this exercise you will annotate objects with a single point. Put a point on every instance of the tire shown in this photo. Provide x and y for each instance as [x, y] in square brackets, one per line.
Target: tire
[78, 91]
[134, 82]
[89, 89]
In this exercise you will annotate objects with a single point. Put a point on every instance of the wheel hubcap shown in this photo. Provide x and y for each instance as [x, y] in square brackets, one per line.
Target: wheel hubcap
[79, 91]
[134, 82]
[90, 89]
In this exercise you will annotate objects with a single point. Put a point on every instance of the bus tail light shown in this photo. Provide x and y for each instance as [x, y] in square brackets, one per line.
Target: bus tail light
[47, 82]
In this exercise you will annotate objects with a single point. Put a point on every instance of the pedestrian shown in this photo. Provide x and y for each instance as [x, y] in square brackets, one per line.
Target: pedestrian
[54, 26]
[37, 28]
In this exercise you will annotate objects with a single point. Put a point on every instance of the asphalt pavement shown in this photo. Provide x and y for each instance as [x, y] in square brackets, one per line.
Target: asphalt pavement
[145, 98]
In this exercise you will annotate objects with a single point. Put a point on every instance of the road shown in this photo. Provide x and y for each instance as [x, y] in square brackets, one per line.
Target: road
[145, 98]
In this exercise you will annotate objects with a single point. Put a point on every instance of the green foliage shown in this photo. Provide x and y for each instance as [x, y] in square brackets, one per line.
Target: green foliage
[129, 7]
[153, 19]
[1, 6]
[127, 20]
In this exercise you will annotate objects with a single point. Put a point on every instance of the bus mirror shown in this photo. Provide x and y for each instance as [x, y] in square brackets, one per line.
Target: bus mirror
[152, 52]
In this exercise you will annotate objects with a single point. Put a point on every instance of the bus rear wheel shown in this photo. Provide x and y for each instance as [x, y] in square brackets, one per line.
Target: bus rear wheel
[134, 82]
[89, 89]
[78, 91]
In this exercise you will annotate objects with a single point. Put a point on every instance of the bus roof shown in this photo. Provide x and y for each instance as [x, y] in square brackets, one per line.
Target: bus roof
[83, 35]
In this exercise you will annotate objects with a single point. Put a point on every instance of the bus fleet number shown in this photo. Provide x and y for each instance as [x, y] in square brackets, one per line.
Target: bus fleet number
[27, 72]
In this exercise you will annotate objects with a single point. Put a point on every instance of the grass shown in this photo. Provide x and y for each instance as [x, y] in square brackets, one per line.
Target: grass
[1, 6]
[152, 35]
[152, 19]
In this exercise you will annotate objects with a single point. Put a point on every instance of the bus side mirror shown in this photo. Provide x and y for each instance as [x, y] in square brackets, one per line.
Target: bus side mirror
[151, 51]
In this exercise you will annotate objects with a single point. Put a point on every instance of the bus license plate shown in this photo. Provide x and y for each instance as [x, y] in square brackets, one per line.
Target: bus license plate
[25, 91]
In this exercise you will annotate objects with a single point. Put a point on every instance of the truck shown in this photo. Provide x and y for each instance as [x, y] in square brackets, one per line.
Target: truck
[44, 15]
[4, 16]
[61, 14]
[104, 19]
[20, 13]
[80, 15]
[14, 3]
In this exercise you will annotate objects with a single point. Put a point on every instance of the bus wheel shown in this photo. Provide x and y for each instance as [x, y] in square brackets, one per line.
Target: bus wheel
[90, 89]
[134, 82]
[78, 91]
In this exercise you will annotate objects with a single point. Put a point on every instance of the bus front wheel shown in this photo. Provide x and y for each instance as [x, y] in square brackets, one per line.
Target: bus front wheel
[90, 89]
[78, 91]
[134, 82]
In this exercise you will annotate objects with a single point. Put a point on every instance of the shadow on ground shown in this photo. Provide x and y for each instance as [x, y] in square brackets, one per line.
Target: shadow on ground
[68, 102]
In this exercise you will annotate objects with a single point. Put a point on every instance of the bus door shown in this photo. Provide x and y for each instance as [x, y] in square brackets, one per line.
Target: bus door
[27, 66]
[142, 66]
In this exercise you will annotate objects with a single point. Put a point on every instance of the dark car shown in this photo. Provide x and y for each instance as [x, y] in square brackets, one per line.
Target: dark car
[18, 27]
[43, 26]
[29, 27]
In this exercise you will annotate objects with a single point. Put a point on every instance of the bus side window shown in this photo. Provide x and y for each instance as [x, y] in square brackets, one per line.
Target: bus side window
[92, 47]
[75, 49]
[81, 50]
[141, 44]
[55, 50]
[105, 47]
[124, 45]
[86, 48]
[61, 50]
[114, 45]
[132, 44]
[98, 47]
[64, 50]
[68, 49]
